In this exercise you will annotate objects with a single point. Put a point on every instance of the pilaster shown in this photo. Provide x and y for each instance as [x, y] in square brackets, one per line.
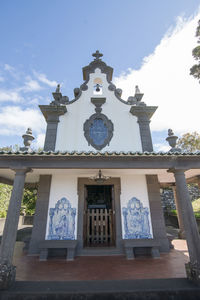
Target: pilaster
[52, 114]
[41, 211]
[157, 218]
[144, 114]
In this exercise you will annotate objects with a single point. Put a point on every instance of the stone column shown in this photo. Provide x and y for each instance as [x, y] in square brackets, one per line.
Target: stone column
[157, 218]
[189, 223]
[51, 114]
[7, 270]
[41, 212]
[179, 215]
[144, 114]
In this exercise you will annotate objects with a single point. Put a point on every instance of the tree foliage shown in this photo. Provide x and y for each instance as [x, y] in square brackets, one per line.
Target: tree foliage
[5, 193]
[10, 148]
[28, 201]
[195, 70]
[30, 194]
[189, 142]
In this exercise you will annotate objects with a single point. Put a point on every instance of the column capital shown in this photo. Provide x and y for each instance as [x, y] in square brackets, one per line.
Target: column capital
[21, 170]
[144, 113]
[177, 171]
[52, 112]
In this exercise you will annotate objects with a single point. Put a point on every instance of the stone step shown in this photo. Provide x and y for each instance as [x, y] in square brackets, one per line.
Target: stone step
[151, 289]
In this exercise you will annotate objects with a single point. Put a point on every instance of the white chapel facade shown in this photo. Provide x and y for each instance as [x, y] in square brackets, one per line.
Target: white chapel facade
[98, 179]
[112, 209]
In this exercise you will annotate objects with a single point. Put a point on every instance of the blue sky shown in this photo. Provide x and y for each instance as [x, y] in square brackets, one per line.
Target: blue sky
[45, 42]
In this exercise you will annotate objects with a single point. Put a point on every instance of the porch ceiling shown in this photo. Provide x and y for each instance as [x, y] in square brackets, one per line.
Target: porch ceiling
[7, 175]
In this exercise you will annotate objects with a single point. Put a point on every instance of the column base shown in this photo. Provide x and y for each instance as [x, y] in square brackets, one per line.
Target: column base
[7, 275]
[193, 272]
[181, 234]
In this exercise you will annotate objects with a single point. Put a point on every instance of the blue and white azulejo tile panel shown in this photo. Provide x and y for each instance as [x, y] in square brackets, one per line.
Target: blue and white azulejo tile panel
[62, 221]
[136, 220]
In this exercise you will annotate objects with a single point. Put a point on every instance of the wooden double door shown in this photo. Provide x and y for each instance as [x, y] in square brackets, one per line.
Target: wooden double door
[99, 221]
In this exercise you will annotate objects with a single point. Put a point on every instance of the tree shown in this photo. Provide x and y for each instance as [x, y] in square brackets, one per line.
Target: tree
[189, 142]
[30, 194]
[29, 200]
[5, 193]
[10, 148]
[195, 70]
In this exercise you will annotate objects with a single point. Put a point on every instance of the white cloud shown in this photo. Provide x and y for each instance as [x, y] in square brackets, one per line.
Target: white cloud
[31, 86]
[165, 80]
[11, 96]
[39, 142]
[161, 147]
[43, 78]
[14, 120]
[13, 72]
[9, 68]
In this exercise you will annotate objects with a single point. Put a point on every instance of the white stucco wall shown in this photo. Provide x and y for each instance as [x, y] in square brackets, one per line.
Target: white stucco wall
[64, 184]
[134, 186]
[70, 134]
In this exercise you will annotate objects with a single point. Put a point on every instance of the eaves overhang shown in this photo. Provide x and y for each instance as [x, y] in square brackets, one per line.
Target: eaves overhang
[119, 160]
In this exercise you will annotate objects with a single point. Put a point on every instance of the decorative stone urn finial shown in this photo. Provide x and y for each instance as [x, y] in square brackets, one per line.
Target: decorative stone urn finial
[28, 138]
[58, 88]
[137, 90]
[59, 98]
[138, 94]
[171, 139]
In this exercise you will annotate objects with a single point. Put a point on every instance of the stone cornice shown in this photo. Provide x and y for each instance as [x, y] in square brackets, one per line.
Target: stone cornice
[52, 112]
[100, 161]
[102, 153]
[144, 113]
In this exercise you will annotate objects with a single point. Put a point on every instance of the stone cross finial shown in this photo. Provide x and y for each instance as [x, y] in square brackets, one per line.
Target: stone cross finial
[97, 55]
